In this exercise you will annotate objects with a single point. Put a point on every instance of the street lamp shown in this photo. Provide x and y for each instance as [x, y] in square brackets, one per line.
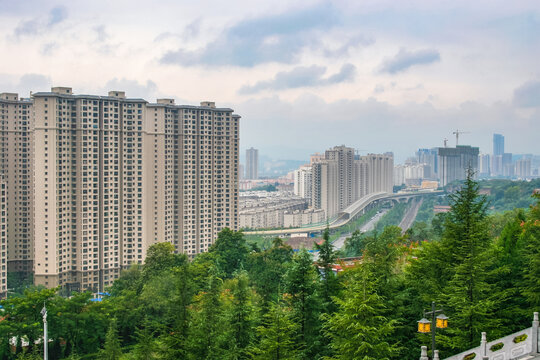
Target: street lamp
[426, 326]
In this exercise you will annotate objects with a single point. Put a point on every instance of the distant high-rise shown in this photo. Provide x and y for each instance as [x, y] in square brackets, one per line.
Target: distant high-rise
[498, 144]
[108, 176]
[252, 164]
[523, 168]
[313, 158]
[339, 179]
[507, 165]
[454, 162]
[484, 164]
[303, 182]
[429, 157]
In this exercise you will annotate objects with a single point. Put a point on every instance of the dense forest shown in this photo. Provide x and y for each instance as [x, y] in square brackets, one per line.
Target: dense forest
[241, 302]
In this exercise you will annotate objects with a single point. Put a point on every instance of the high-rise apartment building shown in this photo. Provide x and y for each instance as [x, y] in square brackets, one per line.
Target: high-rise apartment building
[341, 178]
[498, 144]
[16, 167]
[484, 164]
[3, 240]
[252, 164]
[523, 168]
[113, 175]
[429, 157]
[344, 158]
[380, 172]
[324, 194]
[303, 178]
[454, 162]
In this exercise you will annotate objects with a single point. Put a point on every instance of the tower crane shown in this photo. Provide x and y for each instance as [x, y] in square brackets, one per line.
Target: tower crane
[457, 133]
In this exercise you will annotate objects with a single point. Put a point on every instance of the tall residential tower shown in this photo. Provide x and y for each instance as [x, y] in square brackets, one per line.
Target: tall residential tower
[113, 175]
[252, 164]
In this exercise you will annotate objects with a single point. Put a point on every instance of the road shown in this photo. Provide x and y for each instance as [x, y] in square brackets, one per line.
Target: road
[410, 216]
[370, 225]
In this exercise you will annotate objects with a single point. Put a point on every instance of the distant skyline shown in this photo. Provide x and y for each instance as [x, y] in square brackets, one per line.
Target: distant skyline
[374, 75]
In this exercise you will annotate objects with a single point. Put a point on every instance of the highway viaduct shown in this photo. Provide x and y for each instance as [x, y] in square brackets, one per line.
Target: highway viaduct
[347, 214]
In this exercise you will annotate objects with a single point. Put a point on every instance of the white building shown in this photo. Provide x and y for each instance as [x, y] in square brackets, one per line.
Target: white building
[299, 218]
[303, 178]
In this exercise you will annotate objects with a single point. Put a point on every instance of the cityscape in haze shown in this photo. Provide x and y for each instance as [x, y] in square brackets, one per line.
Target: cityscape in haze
[270, 180]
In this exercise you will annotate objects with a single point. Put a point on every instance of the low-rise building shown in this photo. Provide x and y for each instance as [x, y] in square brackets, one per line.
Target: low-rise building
[299, 218]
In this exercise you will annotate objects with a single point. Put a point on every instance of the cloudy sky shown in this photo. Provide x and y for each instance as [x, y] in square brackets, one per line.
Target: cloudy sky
[304, 75]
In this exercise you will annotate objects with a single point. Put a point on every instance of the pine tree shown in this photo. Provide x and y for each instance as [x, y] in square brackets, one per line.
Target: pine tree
[208, 332]
[240, 318]
[329, 284]
[145, 347]
[359, 329]
[112, 349]
[175, 339]
[507, 276]
[301, 287]
[467, 246]
[277, 335]
[531, 237]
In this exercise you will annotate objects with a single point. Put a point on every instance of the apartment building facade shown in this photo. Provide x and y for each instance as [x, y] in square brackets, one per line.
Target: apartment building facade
[16, 168]
[454, 162]
[113, 175]
[342, 178]
[303, 182]
[3, 240]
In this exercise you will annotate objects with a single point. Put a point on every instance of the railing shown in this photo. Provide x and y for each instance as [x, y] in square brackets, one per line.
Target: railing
[515, 346]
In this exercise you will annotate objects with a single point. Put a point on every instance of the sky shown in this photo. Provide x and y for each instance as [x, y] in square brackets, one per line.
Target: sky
[304, 75]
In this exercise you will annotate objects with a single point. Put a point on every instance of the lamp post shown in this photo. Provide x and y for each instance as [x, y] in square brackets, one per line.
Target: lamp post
[426, 326]
[45, 339]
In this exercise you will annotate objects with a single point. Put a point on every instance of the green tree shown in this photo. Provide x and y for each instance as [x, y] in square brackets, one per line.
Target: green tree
[22, 317]
[277, 334]
[267, 269]
[240, 318]
[355, 244]
[231, 250]
[301, 287]
[531, 239]
[78, 321]
[507, 276]
[208, 331]
[359, 329]
[112, 349]
[467, 248]
[160, 257]
[145, 345]
[329, 284]
[175, 338]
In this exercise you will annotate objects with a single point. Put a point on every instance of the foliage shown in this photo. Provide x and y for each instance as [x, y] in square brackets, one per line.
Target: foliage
[112, 349]
[359, 329]
[392, 217]
[231, 250]
[240, 302]
[301, 289]
[277, 334]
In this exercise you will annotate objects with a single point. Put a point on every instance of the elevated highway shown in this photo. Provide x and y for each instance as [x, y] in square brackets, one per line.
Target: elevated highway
[347, 214]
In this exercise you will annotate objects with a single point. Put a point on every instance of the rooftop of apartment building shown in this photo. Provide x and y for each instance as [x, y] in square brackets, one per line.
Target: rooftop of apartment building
[67, 92]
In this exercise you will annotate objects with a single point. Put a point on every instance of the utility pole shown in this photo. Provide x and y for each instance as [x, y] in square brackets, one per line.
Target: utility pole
[45, 339]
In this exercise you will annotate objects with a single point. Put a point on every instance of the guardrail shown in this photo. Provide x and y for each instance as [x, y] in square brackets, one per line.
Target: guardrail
[514, 346]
